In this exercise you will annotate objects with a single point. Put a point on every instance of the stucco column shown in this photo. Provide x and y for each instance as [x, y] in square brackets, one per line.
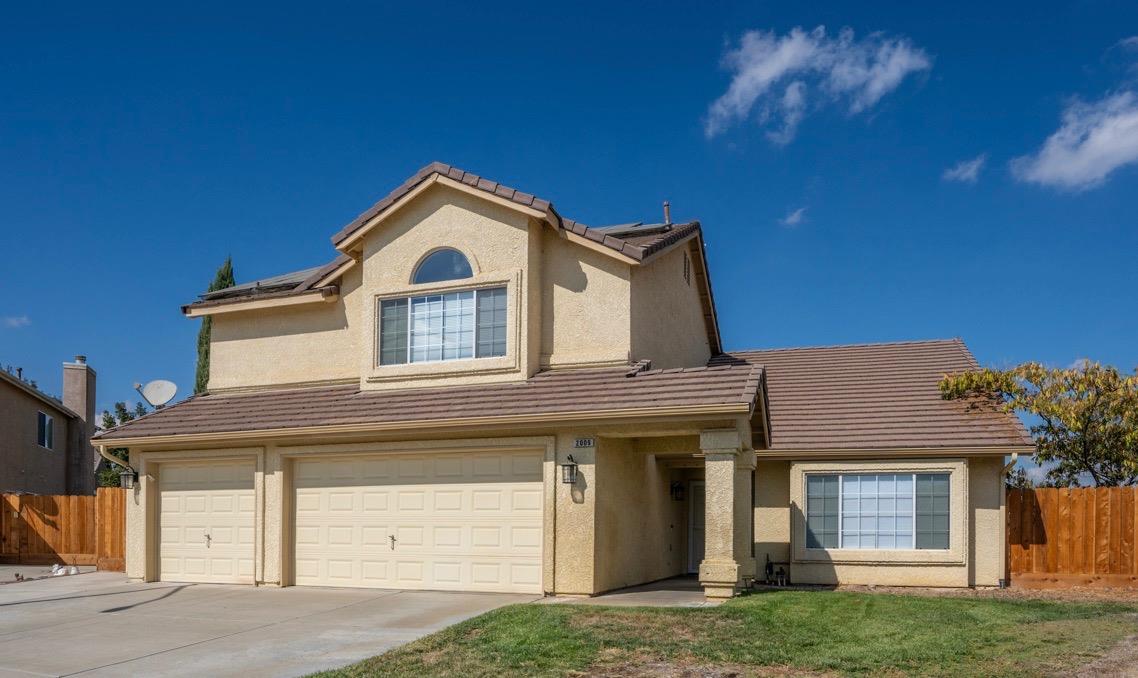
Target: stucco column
[745, 514]
[725, 516]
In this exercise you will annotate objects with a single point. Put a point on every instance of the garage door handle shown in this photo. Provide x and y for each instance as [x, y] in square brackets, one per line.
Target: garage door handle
[392, 538]
[208, 539]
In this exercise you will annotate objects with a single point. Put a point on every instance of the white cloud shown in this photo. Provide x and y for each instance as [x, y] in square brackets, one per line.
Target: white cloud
[794, 218]
[845, 70]
[967, 171]
[1128, 43]
[1094, 140]
[16, 321]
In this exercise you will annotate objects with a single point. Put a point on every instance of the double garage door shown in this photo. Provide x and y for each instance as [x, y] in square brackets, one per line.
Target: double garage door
[469, 522]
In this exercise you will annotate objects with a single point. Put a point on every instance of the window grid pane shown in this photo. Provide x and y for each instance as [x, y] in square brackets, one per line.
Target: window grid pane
[821, 511]
[393, 332]
[491, 322]
[442, 327]
[877, 511]
[932, 511]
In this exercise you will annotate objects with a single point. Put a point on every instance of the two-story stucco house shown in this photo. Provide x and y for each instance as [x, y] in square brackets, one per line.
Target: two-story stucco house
[45, 443]
[480, 394]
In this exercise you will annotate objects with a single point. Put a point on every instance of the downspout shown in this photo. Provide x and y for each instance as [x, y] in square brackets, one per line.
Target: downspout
[102, 450]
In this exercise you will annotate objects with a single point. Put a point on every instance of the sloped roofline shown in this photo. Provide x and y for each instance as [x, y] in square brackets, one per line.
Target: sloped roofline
[37, 394]
[598, 238]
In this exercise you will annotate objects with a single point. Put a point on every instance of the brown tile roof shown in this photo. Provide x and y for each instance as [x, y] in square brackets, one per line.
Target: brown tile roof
[548, 393]
[873, 396]
[638, 250]
[641, 242]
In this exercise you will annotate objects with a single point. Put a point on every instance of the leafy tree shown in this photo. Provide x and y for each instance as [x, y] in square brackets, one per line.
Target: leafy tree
[222, 279]
[1087, 416]
[1018, 480]
[108, 473]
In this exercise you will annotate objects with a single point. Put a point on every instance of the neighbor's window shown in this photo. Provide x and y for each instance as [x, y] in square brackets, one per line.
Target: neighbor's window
[450, 326]
[440, 265]
[45, 430]
[877, 511]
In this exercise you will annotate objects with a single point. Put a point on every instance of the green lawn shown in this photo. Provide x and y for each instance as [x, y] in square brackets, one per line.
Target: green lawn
[800, 631]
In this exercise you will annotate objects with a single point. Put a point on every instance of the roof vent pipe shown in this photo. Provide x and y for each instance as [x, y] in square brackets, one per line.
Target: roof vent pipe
[667, 213]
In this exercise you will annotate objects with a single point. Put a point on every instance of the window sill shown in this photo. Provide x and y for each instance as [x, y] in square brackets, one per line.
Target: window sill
[443, 369]
[880, 556]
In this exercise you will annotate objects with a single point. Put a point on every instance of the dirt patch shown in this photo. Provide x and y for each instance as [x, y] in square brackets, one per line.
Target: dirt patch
[1121, 660]
[681, 669]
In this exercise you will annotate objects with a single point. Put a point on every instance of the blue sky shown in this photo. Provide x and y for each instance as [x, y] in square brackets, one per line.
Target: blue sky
[140, 145]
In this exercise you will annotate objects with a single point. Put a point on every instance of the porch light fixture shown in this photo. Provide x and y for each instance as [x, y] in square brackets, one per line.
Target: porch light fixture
[569, 471]
[677, 491]
[128, 478]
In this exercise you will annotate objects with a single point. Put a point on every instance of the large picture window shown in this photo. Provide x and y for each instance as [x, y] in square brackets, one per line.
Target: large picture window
[438, 327]
[885, 511]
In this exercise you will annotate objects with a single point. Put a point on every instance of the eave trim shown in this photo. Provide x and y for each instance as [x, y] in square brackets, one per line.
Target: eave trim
[272, 300]
[429, 424]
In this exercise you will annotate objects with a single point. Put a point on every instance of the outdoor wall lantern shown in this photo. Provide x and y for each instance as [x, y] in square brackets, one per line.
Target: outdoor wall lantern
[569, 471]
[128, 478]
[677, 491]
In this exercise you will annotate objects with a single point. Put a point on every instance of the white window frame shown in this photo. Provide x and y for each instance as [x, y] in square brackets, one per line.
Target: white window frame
[841, 475]
[410, 326]
[49, 430]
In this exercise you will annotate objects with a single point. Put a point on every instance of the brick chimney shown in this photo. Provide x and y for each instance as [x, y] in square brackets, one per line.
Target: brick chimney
[79, 397]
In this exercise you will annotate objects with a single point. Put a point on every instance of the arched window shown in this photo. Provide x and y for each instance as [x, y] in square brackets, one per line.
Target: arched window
[444, 264]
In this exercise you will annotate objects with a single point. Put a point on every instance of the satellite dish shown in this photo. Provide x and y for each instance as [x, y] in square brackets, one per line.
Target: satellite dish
[158, 392]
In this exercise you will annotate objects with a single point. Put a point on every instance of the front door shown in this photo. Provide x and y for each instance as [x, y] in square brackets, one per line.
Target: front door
[696, 526]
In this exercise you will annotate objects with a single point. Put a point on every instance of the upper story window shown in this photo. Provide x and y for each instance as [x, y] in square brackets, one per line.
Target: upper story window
[45, 430]
[877, 511]
[440, 265]
[448, 326]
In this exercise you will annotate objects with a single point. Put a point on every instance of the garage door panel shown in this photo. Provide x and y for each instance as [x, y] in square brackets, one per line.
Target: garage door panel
[214, 499]
[448, 514]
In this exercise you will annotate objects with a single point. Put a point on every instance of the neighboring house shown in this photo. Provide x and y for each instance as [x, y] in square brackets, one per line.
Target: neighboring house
[407, 416]
[45, 442]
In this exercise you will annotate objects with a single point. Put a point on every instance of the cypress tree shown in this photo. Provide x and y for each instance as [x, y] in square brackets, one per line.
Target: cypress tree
[222, 279]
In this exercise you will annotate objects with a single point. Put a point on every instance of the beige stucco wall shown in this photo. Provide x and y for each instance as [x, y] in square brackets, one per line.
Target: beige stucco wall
[640, 529]
[586, 296]
[772, 513]
[975, 555]
[986, 497]
[24, 465]
[291, 345]
[667, 322]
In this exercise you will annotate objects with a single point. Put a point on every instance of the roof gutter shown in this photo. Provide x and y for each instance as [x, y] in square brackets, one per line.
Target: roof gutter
[802, 454]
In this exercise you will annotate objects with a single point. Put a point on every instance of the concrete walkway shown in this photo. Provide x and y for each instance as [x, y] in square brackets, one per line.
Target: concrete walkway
[675, 592]
[98, 624]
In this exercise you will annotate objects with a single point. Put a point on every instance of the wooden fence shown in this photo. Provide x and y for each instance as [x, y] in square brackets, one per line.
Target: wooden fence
[65, 529]
[1073, 537]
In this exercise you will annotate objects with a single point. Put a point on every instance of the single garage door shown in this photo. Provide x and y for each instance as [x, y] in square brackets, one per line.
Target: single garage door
[468, 522]
[206, 522]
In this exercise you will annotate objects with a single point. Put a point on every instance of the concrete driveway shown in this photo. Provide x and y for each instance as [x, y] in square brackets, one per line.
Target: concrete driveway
[98, 624]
